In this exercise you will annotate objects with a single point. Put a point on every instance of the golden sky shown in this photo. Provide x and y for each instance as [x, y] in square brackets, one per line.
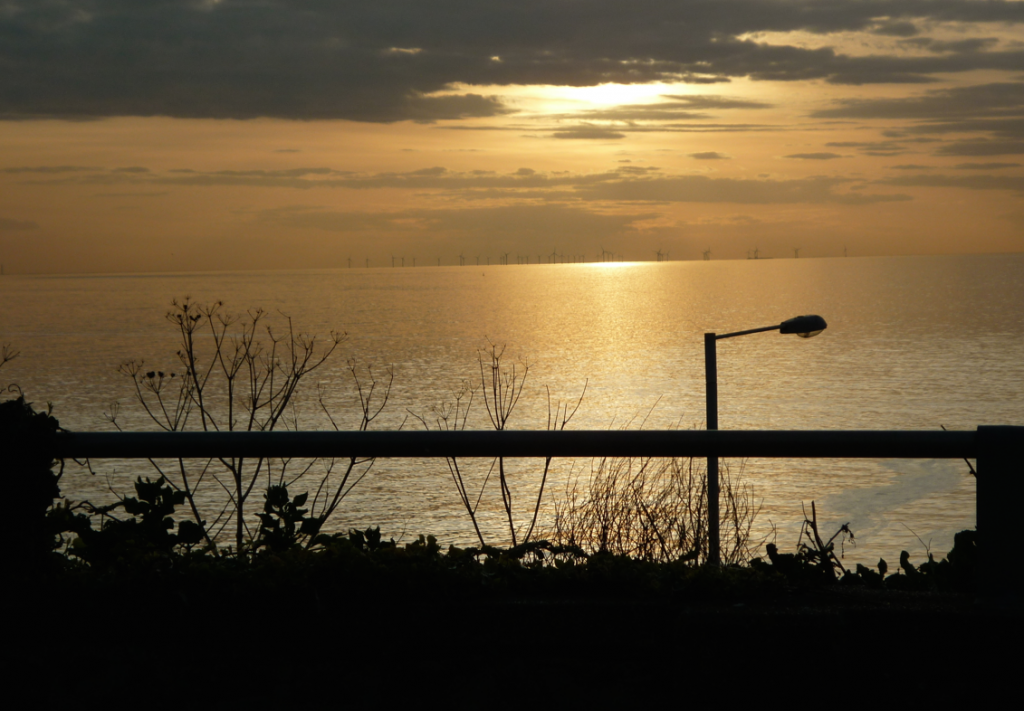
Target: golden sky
[236, 134]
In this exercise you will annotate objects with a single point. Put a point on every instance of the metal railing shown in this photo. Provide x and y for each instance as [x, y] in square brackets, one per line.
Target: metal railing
[998, 450]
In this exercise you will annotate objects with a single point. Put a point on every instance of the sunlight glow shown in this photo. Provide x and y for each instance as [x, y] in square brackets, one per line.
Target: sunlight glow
[612, 265]
[612, 94]
[551, 99]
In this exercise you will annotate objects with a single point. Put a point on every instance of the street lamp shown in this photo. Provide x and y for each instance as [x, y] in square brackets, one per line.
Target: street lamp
[803, 326]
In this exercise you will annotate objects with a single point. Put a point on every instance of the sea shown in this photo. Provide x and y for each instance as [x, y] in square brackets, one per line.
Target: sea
[913, 343]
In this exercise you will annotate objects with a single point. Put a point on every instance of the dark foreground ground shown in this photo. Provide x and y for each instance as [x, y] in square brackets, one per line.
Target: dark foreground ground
[822, 647]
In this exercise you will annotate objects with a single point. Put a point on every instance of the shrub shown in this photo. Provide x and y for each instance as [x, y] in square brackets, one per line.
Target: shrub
[654, 510]
[26, 441]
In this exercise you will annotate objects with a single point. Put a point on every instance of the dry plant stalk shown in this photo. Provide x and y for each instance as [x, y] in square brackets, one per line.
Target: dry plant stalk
[654, 510]
[502, 386]
[238, 373]
[823, 552]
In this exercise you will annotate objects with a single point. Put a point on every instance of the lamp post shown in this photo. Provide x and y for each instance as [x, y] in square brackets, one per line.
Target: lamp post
[803, 326]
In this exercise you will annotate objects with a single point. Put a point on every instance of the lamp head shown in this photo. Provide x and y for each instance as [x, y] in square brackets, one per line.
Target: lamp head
[804, 326]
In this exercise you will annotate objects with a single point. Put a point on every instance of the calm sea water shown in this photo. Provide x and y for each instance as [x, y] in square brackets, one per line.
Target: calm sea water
[912, 343]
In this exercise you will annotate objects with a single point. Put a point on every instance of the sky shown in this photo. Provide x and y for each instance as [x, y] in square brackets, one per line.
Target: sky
[187, 135]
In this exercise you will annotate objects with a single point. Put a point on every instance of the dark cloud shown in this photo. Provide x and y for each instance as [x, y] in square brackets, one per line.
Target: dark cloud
[911, 166]
[709, 155]
[895, 29]
[988, 100]
[855, 77]
[976, 44]
[285, 173]
[627, 183]
[985, 166]
[714, 101]
[982, 148]
[524, 222]
[995, 109]
[428, 109]
[52, 169]
[636, 169]
[588, 133]
[970, 182]
[814, 156]
[689, 78]
[871, 148]
[1011, 127]
[670, 108]
[702, 189]
[9, 225]
[540, 221]
[386, 61]
[436, 170]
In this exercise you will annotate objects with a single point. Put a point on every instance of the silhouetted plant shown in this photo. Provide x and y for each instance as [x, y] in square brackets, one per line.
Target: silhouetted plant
[815, 562]
[143, 540]
[283, 523]
[501, 385]
[26, 443]
[451, 416]
[654, 510]
[239, 373]
[820, 553]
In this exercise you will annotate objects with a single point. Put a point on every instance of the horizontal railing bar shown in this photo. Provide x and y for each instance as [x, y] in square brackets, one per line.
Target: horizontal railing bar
[650, 443]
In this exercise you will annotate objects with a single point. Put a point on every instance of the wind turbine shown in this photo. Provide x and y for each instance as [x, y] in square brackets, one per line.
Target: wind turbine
[707, 254]
[462, 260]
[796, 252]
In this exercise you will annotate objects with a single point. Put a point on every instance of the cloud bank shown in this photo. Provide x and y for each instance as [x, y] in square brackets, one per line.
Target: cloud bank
[627, 184]
[386, 61]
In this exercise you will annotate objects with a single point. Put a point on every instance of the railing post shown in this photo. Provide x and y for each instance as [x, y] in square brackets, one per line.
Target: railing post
[711, 399]
[999, 499]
